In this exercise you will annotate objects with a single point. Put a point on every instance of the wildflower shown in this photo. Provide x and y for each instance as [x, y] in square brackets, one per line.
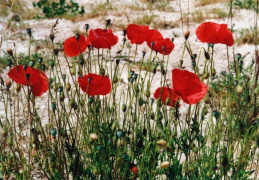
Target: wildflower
[137, 34]
[73, 46]
[101, 38]
[152, 37]
[188, 85]
[94, 84]
[32, 77]
[164, 46]
[210, 32]
[133, 168]
[164, 93]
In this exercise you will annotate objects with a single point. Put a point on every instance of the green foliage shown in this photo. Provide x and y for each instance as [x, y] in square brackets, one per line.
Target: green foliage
[244, 4]
[52, 9]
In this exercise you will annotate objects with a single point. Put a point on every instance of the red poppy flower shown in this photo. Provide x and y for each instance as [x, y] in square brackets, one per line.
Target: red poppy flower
[210, 32]
[187, 85]
[134, 169]
[38, 81]
[164, 46]
[137, 34]
[94, 84]
[73, 47]
[102, 38]
[166, 92]
[153, 36]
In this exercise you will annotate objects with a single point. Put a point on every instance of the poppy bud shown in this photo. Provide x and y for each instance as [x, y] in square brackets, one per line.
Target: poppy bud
[51, 36]
[236, 82]
[117, 61]
[152, 100]
[164, 164]
[55, 51]
[9, 51]
[193, 57]
[119, 133]
[205, 75]
[216, 114]
[239, 89]
[4, 132]
[207, 55]
[53, 132]
[167, 101]
[144, 132]
[86, 27]
[124, 108]
[131, 80]
[81, 62]
[93, 137]
[102, 71]
[136, 88]
[124, 32]
[208, 174]
[68, 87]
[108, 22]
[210, 45]
[213, 72]
[143, 53]
[152, 44]
[90, 100]
[225, 162]
[159, 116]
[163, 70]
[51, 63]
[8, 83]
[205, 110]
[193, 64]
[161, 143]
[172, 40]
[152, 116]
[174, 134]
[40, 59]
[238, 56]
[132, 73]
[135, 76]
[147, 93]
[62, 96]
[163, 48]
[9, 141]
[154, 69]
[53, 106]
[28, 31]
[43, 67]
[141, 101]
[159, 102]
[115, 79]
[60, 89]
[31, 63]
[125, 156]
[186, 34]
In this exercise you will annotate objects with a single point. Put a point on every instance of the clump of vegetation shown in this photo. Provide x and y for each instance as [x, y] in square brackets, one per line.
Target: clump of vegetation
[248, 36]
[54, 9]
[244, 4]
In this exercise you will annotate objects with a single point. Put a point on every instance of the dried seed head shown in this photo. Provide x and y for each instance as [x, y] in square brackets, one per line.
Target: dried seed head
[161, 143]
[165, 164]
[93, 137]
[9, 51]
[8, 83]
[186, 34]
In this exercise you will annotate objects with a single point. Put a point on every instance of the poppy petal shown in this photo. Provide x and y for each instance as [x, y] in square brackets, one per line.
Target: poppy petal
[153, 36]
[164, 93]
[164, 46]
[137, 34]
[210, 32]
[98, 85]
[73, 47]
[188, 86]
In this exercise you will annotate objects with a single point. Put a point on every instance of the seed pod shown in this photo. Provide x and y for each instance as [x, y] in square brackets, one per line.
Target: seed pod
[9, 51]
[206, 75]
[186, 34]
[207, 55]
[55, 87]
[115, 79]
[141, 102]
[9, 141]
[164, 164]
[4, 132]
[239, 89]
[68, 87]
[161, 143]
[93, 137]
[62, 96]
[147, 93]
[124, 108]
[154, 69]
[8, 83]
